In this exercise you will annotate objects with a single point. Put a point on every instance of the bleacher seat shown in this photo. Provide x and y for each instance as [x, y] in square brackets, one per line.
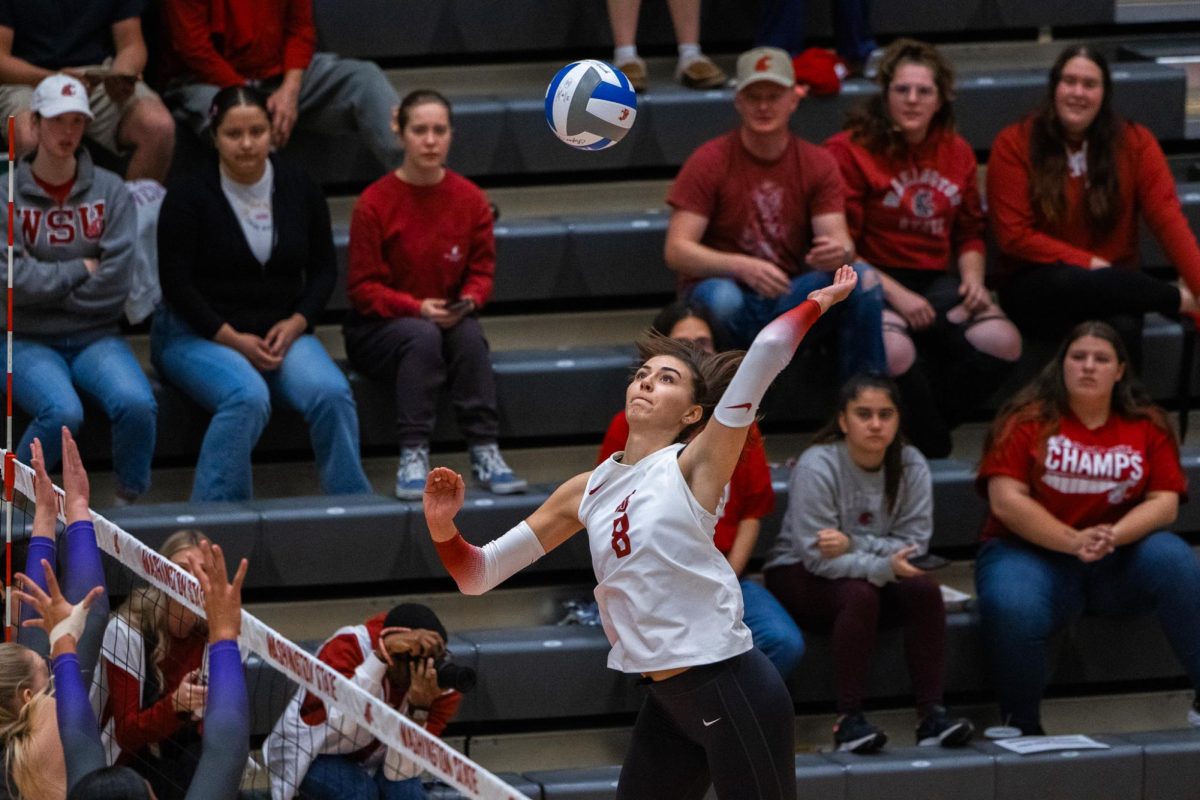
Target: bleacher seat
[506, 136]
[1112, 774]
[901, 773]
[1171, 763]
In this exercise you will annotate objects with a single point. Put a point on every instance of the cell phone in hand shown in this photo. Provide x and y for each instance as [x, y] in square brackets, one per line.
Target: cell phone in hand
[459, 306]
[928, 561]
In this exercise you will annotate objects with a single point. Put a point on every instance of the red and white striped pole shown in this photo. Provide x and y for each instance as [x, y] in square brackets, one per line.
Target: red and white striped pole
[10, 472]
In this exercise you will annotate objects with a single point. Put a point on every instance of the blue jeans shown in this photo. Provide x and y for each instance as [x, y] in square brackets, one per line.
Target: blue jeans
[775, 632]
[45, 379]
[858, 319]
[1026, 593]
[783, 24]
[339, 778]
[239, 397]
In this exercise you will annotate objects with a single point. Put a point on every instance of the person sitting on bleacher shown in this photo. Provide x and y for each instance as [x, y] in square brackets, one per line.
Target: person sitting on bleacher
[749, 498]
[1067, 187]
[32, 757]
[271, 45]
[247, 265]
[758, 222]
[226, 744]
[422, 261]
[319, 755]
[74, 253]
[1082, 475]
[916, 217]
[860, 507]
[694, 69]
[149, 687]
[99, 42]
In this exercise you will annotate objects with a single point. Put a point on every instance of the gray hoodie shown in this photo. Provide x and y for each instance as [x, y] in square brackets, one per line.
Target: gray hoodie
[828, 490]
[55, 298]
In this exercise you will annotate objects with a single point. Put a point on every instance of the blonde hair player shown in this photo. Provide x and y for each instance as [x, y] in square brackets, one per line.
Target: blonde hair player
[717, 711]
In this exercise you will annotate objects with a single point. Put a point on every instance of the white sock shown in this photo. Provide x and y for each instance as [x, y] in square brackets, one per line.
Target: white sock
[688, 53]
[625, 53]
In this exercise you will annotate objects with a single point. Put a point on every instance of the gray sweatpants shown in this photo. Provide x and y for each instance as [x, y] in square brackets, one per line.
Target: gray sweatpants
[335, 94]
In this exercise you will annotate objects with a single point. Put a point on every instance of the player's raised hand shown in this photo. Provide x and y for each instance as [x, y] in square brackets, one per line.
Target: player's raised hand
[844, 281]
[444, 495]
[75, 480]
[45, 515]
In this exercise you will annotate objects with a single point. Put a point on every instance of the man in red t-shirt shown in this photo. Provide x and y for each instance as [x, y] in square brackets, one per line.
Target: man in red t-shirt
[758, 222]
[271, 45]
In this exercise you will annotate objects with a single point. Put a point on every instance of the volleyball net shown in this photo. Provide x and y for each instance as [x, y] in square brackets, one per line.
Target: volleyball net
[155, 633]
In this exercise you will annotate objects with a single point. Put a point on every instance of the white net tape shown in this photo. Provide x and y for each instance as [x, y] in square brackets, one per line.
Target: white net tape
[385, 723]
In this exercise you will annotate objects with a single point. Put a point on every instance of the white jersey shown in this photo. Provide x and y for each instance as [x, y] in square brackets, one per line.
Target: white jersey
[667, 596]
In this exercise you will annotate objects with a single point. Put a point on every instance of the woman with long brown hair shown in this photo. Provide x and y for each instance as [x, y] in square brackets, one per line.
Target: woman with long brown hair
[149, 684]
[1067, 188]
[914, 211]
[1082, 475]
[860, 507]
[717, 711]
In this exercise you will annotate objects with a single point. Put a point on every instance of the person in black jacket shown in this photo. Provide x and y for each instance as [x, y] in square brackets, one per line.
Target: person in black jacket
[246, 263]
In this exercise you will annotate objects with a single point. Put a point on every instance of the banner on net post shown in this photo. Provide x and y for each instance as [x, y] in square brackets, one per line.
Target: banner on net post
[385, 723]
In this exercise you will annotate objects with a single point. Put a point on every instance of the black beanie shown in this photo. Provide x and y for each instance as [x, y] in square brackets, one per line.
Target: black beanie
[414, 616]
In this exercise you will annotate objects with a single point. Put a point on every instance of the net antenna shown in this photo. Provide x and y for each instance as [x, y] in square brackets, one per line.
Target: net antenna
[9, 457]
[384, 722]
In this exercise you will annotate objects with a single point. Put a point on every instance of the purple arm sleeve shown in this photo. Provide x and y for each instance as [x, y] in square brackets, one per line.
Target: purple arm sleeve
[39, 547]
[77, 724]
[226, 744]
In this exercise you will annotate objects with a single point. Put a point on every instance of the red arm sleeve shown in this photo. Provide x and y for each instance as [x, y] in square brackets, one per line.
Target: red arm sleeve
[753, 477]
[853, 183]
[444, 707]
[343, 654]
[1166, 473]
[1159, 203]
[187, 23]
[368, 276]
[481, 265]
[696, 186]
[969, 223]
[615, 437]
[299, 35]
[136, 727]
[1011, 212]
[1009, 455]
[828, 194]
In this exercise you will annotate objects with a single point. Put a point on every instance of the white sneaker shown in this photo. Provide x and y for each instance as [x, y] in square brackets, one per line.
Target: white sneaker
[1194, 713]
[410, 477]
[492, 473]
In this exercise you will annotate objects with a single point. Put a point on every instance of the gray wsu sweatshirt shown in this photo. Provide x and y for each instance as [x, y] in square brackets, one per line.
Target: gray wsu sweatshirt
[828, 490]
[55, 297]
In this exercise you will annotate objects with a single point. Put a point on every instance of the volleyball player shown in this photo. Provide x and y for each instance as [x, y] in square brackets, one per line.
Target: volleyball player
[670, 604]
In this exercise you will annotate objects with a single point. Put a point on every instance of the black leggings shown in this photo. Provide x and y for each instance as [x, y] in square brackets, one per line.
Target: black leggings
[729, 724]
[1047, 300]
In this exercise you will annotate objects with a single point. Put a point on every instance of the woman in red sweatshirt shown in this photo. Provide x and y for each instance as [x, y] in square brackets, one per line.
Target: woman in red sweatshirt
[914, 212]
[1066, 188]
[422, 261]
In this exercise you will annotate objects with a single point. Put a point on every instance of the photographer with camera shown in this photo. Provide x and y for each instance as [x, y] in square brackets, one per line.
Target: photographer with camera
[399, 656]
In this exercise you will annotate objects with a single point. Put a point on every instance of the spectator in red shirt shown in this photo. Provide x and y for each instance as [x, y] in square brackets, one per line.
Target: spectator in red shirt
[422, 260]
[1082, 475]
[316, 753]
[1067, 187]
[914, 212]
[149, 684]
[748, 498]
[758, 222]
[271, 45]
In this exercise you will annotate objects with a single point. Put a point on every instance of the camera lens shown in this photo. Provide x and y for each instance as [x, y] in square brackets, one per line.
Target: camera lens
[452, 676]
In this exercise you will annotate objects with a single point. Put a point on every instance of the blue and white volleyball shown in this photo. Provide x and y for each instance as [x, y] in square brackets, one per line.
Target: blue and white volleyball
[590, 105]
